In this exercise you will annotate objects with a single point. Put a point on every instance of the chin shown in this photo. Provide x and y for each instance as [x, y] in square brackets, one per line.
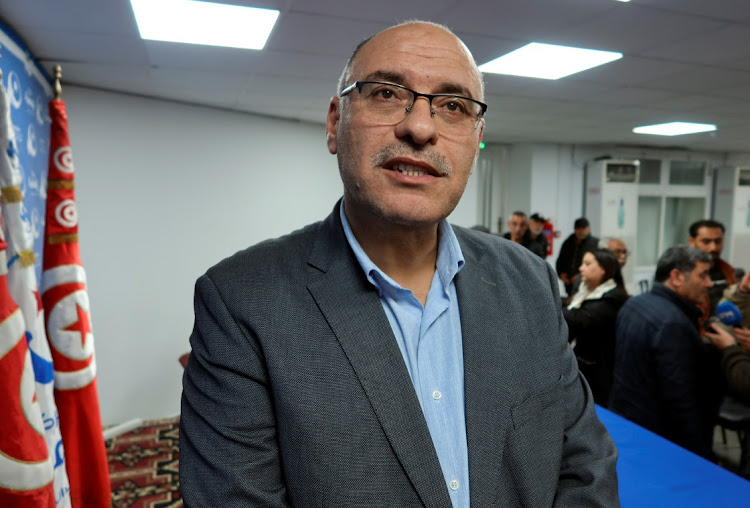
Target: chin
[414, 215]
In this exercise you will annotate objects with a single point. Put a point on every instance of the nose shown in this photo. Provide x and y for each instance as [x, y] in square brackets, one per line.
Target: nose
[419, 123]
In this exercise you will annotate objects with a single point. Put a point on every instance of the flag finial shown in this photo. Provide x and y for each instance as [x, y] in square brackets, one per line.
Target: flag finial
[58, 75]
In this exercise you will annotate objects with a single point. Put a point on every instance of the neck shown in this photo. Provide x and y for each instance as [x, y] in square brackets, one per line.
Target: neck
[406, 253]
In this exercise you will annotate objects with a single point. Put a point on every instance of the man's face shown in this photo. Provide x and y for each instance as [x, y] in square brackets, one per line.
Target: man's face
[695, 285]
[409, 173]
[536, 227]
[517, 226]
[709, 240]
[582, 233]
[617, 247]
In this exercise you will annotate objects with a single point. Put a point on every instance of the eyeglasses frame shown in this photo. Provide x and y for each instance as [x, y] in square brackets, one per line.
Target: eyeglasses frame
[429, 96]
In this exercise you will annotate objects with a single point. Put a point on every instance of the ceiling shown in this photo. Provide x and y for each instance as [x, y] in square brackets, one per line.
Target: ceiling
[684, 60]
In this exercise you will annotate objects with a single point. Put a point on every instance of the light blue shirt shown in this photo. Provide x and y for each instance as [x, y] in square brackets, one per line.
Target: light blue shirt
[430, 341]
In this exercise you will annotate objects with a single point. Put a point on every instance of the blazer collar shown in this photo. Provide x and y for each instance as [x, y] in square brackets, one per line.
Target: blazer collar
[351, 306]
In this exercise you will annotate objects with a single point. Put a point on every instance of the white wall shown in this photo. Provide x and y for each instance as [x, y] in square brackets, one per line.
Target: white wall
[164, 191]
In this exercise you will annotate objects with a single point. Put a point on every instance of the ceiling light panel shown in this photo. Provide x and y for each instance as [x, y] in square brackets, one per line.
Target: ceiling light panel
[207, 23]
[675, 128]
[548, 61]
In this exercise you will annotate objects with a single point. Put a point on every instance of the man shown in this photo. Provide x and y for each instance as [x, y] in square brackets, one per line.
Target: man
[572, 250]
[739, 294]
[708, 236]
[304, 386]
[537, 241]
[518, 225]
[665, 379]
[735, 364]
[619, 249]
[520, 232]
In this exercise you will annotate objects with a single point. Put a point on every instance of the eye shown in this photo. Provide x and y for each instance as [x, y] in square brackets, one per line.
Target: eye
[383, 92]
[453, 105]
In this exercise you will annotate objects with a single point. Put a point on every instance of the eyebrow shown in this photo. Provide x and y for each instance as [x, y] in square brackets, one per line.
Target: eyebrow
[399, 79]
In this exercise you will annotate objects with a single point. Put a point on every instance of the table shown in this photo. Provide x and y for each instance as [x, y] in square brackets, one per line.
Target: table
[654, 472]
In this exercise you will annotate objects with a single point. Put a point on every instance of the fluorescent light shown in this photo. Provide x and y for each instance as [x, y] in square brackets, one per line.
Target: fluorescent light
[207, 23]
[675, 128]
[623, 0]
[548, 61]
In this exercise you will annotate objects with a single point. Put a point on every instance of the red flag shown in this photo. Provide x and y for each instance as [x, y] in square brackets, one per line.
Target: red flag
[68, 325]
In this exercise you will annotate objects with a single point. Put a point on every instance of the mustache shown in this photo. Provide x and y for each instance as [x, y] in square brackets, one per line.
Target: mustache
[394, 150]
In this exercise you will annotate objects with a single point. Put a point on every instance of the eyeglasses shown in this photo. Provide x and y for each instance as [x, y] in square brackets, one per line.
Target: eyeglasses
[389, 104]
[620, 251]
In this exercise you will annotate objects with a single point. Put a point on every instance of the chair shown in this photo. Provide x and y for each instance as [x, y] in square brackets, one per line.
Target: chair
[734, 415]
[643, 284]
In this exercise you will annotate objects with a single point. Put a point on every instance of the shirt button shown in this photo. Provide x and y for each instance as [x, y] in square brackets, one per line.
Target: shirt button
[436, 395]
[454, 484]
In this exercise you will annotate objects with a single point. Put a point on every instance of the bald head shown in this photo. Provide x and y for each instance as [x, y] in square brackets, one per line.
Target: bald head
[430, 32]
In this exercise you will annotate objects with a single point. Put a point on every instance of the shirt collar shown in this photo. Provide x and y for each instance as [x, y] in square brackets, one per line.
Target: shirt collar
[450, 259]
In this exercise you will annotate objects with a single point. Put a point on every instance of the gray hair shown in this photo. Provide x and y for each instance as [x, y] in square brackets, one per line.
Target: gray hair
[346, 75]
[681, 257]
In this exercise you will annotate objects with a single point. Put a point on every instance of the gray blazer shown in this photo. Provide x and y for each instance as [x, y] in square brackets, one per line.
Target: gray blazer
[296, 392]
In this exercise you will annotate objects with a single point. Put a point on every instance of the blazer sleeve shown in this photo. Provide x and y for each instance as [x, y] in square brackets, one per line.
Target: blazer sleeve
[228, 445]
[588, 475]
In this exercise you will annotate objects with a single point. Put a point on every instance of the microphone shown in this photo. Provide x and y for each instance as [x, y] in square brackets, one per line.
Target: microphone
[729, 314]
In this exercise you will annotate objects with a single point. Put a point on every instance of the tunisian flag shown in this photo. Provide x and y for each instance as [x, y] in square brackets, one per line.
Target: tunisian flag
[25, 463]
[68, 323]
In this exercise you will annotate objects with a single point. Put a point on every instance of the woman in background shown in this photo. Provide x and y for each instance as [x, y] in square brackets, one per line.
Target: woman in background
[591, 315]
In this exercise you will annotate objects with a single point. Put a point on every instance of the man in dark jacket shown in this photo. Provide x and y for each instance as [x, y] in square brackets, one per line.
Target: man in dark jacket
[666, 379]
[572, 251]
[536, 240]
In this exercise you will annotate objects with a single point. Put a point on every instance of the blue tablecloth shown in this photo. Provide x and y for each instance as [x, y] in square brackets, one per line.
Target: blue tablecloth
[654, 472]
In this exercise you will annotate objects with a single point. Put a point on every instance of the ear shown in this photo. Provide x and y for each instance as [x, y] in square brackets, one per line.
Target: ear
[332, 122]
[676, 278]
[691, 241]
[481, 134]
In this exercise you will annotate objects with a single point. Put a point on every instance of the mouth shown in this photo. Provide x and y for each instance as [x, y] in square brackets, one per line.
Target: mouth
[411, 169]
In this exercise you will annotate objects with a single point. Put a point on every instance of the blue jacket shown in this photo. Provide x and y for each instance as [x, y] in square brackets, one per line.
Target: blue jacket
[665, 378]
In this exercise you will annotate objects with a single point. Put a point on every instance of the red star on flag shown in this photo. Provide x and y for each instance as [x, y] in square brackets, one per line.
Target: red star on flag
[81, 326]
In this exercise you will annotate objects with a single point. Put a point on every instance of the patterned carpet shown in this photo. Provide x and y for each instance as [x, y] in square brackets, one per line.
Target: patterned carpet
[143, 466]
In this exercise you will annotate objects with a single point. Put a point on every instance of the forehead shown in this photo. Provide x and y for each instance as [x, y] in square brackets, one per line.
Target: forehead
[709, 233]
[421, 56]
[616, 244]
[701, 267]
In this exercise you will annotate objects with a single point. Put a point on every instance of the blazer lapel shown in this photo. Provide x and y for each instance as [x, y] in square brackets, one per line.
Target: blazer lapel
[486, 374]
[353, 310]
